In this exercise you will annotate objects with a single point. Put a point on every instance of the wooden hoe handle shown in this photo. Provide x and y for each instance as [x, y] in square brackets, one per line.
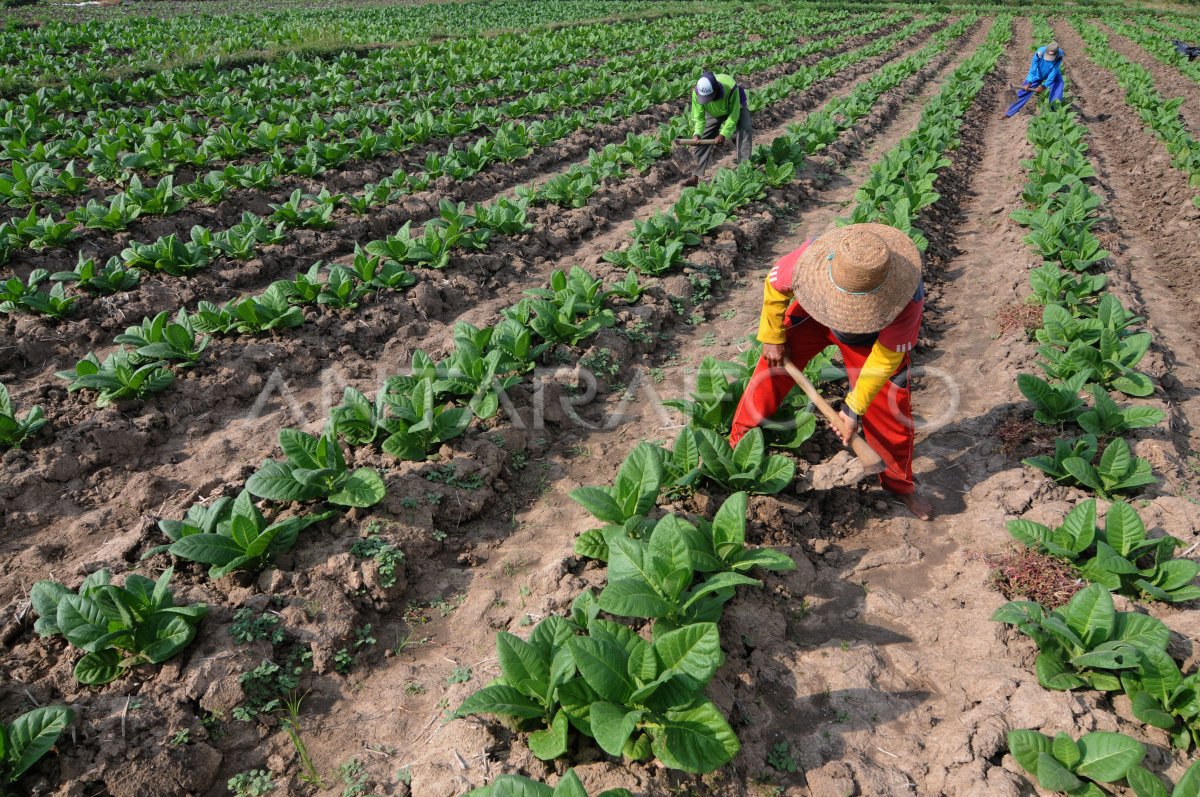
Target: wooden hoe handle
[695, 142]
[871, 461]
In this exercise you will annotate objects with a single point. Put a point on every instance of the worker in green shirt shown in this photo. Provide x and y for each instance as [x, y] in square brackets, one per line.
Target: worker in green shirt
[719, 110]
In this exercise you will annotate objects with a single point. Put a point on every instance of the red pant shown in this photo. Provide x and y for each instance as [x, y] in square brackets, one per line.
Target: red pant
[887, 424]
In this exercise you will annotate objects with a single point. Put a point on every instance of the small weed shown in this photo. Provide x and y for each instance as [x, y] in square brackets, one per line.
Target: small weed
[180, 737]
[657, 375]
[291, 724]
[460, 675]
[695, 319]
[343, 661]
[636, 331]
[354, 776]
[408, 502]
[254, 783]
[602, 362]
[407, 642]
[518, 460]
[414, 688]
[448, 475]
[247, 627]
[266, 686]
[704, 283]
[679, 306]
[841, 716]
[729, 315]
[780, 758]
[438, 535]
[387, 556]
[362, 637]
[433, 499]
[709, 340]
[213, 724]
[845, 644]
[404, 776]
[525, 621]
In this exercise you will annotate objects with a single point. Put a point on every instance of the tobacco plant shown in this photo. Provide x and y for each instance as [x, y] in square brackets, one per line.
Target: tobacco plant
[1075, 767]
[117, 627]
[1087, 642]
[231, 534]
[568, 785]
[653, 578]
[15, 430]
[1117, 470]
[119, 378]
[416, 421]
[158, 339]
[1120, 556]
[746, 466]
[110, 278]
[315, 467]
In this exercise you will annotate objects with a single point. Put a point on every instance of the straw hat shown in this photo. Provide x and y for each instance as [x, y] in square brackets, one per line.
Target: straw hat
[1051, 51]
[858, 278]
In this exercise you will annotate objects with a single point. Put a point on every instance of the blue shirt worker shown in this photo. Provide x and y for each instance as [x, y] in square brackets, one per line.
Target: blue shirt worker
[1045, 74]
[720, 111]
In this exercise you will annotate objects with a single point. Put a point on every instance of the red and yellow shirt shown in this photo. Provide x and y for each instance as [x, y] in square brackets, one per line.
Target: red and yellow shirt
[888, 346]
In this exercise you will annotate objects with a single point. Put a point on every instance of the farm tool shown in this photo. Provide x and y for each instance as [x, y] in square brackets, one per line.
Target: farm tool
[695, 141]
[869, 459]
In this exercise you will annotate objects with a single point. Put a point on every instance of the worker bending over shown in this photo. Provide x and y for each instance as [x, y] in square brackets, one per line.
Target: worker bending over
[860, 289]
[720, 111]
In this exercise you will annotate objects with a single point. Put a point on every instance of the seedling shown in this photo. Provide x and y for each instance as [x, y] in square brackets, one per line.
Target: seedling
[117, 627]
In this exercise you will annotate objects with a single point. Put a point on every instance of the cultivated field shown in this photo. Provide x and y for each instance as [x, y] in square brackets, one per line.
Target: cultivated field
[366, 374]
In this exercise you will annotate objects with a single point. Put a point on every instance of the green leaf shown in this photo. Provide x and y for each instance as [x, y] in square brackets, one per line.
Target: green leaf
[523, 666]
[569, 785]
[550, 743]
[1189, 784]
[1053, 776]
[604, 666]
[1052, 672]
[695, 739]
[612, 726]
[1025, 745]
[1147, 634]
[1066, 750]
[1149, 711]
[694, 650]
[1091, 615]
[638, 481]
[729, 525]
[500, 699]
[600, 503]
[363, 488]
[210, 549]
[633, 598]
[1143, 783]
[31, 735]
[1108, 756]
[98, 668]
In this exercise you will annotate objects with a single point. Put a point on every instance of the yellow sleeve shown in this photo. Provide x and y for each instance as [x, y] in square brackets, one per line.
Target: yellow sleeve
[770, 323]
[881, 363]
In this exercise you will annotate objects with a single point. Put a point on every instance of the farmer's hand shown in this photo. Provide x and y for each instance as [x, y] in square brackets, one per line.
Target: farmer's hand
[1038, 90]
[849, 427]
[774, 353]
[719, 141]
[695, 140]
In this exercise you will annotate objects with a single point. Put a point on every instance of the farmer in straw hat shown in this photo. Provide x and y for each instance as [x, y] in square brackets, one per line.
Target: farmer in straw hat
[719, 110]
[859, 288]
[1045, 74]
